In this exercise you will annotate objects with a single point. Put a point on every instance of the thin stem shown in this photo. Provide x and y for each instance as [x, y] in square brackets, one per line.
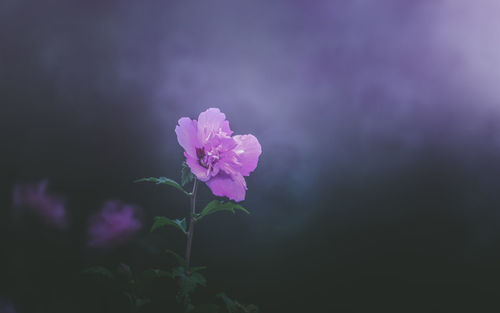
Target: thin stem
[192, 197]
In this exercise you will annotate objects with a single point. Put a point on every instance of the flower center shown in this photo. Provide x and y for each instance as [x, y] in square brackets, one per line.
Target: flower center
[206, 158]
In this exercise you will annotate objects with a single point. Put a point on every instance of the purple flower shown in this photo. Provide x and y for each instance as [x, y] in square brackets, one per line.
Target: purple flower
[115, 224]
[214, 156]
[6, 306]
[35, 199]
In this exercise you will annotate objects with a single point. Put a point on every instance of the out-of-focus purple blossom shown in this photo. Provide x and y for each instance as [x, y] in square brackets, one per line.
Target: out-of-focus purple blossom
[214, 156]
[113, 225]
[6, 306]
[34, 198]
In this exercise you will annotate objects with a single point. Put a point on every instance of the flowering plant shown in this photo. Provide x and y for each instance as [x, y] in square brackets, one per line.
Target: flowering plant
[221, 161]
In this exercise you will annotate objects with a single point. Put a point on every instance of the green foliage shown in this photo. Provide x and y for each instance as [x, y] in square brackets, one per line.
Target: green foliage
[234, 306]
[187, 285]
[161, 221]
[124, 280]
[99, 271]
[216, 206]
[193, 269]
[186, 175]
[150, 275]
[180, 260]
[162, 180]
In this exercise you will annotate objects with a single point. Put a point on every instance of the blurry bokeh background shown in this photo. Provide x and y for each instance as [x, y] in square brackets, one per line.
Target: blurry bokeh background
[378, 186]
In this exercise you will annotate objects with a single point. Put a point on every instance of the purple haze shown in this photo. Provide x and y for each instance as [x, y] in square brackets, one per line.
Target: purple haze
[113, 225]
[331, 88]
[35, 199]
[387, 79]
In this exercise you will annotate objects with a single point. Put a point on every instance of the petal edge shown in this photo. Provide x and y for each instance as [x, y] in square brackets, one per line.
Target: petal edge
[248, 150]
[187, 135]
[224, 185]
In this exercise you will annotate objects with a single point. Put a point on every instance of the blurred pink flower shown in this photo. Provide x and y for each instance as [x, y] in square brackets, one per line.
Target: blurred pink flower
[6, 306]
[214, 156]
[34, 198]
[115, 224]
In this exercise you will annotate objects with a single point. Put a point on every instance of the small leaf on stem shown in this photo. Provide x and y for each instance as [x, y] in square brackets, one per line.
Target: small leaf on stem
[162, 180]
[186, 175]
[197, 268]
[216, 206]
[160, 221]
[190, 281]
[180, 260]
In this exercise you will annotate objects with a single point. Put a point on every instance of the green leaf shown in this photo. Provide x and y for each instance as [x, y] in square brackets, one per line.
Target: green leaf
[188, 283]
[100, 271]
[157, 273]
[234, 306]
[180, 260]
[182, 263]
[178, 272]
[186, 174]
[216, 206]
[197, 268]
[162, 180]
[160, 221]
[197, 279]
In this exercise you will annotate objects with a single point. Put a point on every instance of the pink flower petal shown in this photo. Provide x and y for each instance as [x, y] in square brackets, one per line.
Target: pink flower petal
[224, 185]
[212, 121]
[187, 135]
[229, 163]
[248, 151]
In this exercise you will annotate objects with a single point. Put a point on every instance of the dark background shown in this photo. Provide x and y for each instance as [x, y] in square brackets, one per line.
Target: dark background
[377, 189]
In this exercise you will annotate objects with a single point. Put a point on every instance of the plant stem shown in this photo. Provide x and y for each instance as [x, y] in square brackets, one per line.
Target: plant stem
[191, 224]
